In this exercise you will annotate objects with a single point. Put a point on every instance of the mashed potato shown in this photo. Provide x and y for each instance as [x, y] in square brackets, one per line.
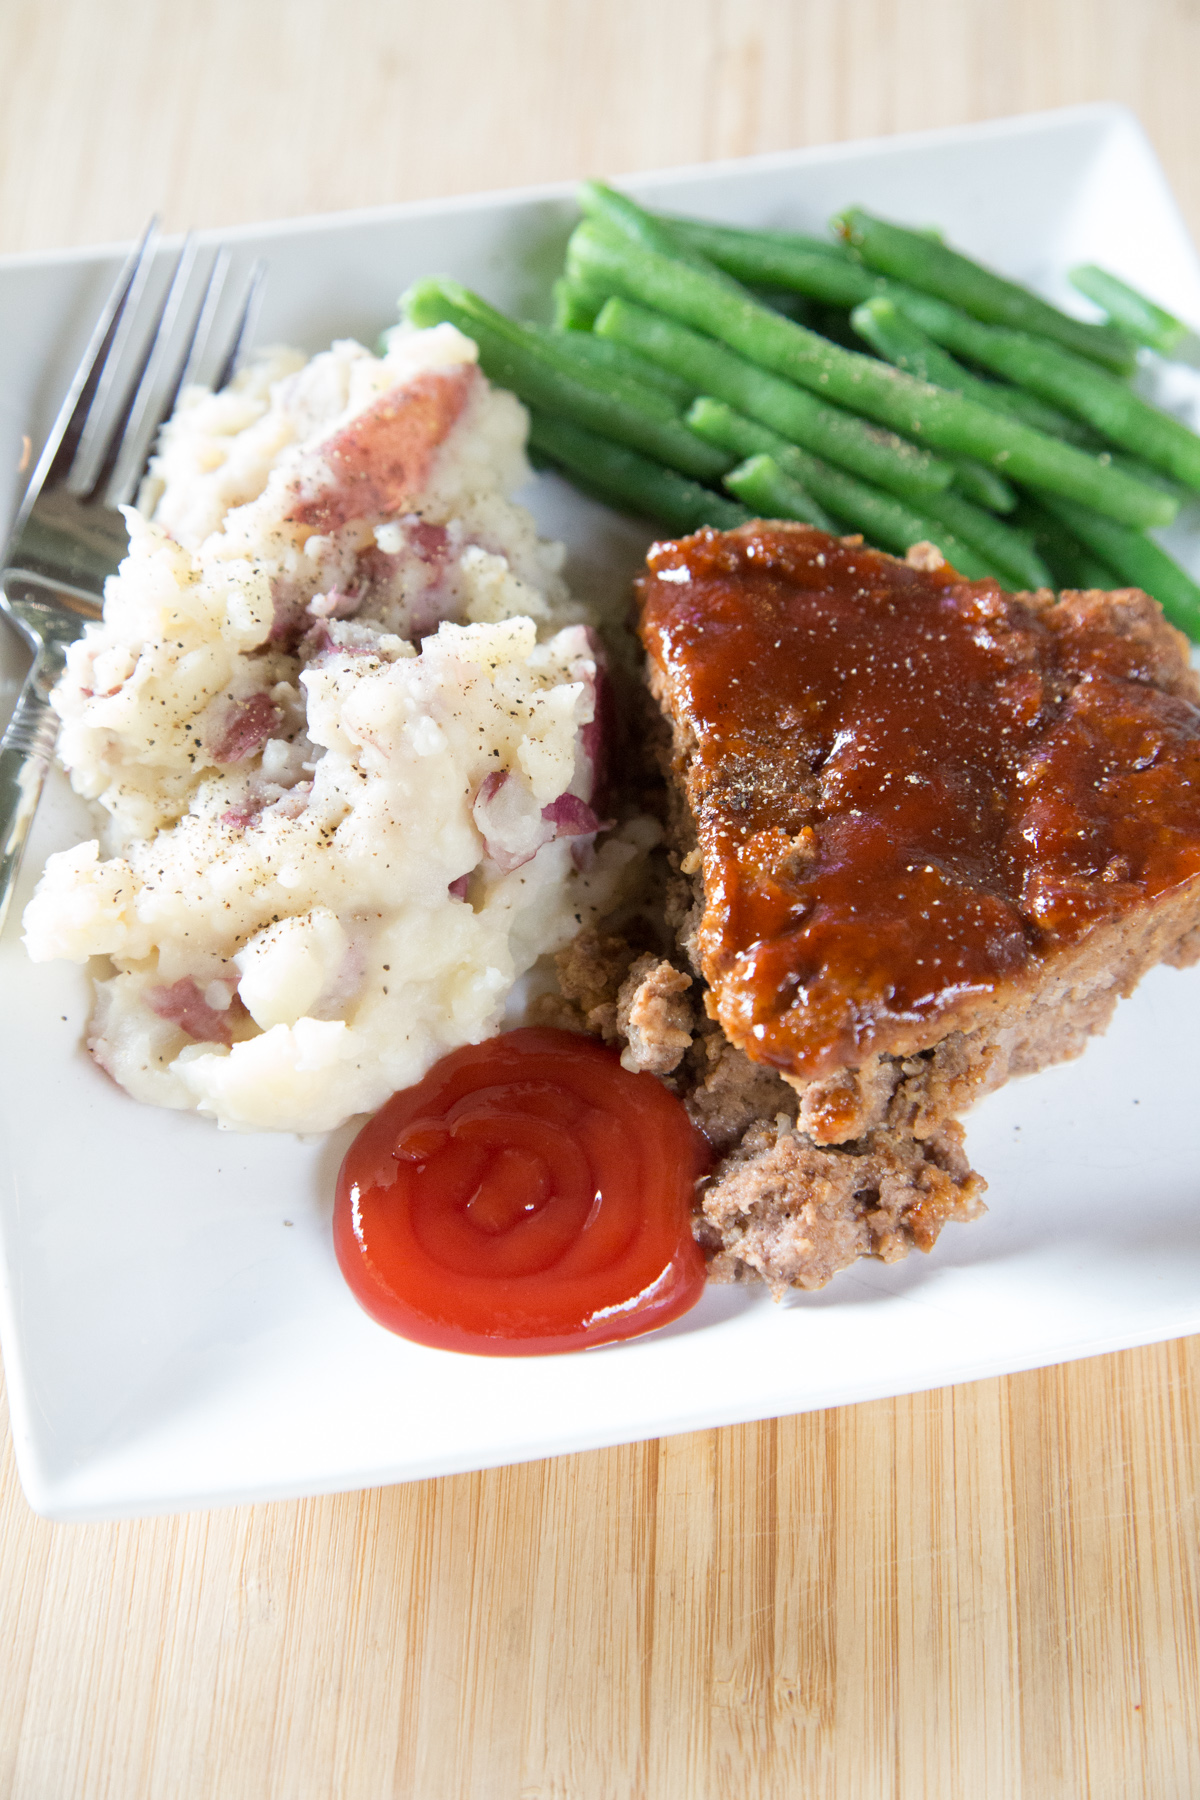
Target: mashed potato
[340, 723]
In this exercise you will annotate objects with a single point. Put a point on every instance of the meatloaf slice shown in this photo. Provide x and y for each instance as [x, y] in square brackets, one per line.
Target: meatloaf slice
[935, 829]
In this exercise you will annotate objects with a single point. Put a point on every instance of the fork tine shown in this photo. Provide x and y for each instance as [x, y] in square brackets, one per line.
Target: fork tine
[125, 428]
[133, 436]
[202, 330]
[243, 325]
[140, 435]
[68, 428]
[201, 326]
[92, 442]
[135, 441]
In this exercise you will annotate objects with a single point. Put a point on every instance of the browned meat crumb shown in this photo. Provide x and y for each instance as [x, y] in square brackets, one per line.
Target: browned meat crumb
[925, 556]
[793, 1213]
[590, 972]
[726, 1093]
[653, 1016]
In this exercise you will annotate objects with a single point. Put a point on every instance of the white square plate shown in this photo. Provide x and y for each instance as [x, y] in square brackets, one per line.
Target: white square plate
[176, 1333]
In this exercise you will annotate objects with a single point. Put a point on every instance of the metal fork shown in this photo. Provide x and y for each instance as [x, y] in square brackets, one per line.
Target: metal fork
[69, 537]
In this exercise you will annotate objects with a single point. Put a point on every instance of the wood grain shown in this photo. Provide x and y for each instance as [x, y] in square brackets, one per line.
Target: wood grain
[988, 1592]
[221, 111]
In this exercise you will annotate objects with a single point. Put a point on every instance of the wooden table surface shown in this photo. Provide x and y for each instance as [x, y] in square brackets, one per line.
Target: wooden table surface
[988, 1592]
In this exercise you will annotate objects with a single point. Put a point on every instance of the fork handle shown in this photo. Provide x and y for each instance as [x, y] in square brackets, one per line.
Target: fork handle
[26, 751]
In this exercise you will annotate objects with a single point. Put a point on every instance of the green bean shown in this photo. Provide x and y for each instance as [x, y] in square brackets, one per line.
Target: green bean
[780, 260]
[626, 479]
[1071, 563]
[1085, 572]
[573, 311]
[882, 519]
[933, 268]
[895, 336]
[945, 420]
[791, 305]
[1137, 560]
[1106, 403]
[796, 414]
[764, 486]
[1130, 311]
[804, 265]
[1004, 552]
[1018, 403]
[623, 215]
[718, 241]
[1008, 553]
[1133, 465]
[548, 376]
[606, 357]
[983, 485]
[844, 495]
[578, 300]
[832, 322]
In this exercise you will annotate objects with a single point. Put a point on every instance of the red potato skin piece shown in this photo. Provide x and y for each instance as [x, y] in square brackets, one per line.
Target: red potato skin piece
[246, 728]
[184, 1005]
[380, 462]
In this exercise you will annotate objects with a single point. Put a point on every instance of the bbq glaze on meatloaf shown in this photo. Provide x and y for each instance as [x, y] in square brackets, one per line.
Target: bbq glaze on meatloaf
[936, 829]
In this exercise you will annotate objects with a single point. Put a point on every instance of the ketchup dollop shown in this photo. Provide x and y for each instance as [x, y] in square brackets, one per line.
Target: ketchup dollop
[529, 1195]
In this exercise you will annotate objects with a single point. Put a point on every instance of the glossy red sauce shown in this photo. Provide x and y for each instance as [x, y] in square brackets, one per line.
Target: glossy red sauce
[908, 788]
[529, 1195]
